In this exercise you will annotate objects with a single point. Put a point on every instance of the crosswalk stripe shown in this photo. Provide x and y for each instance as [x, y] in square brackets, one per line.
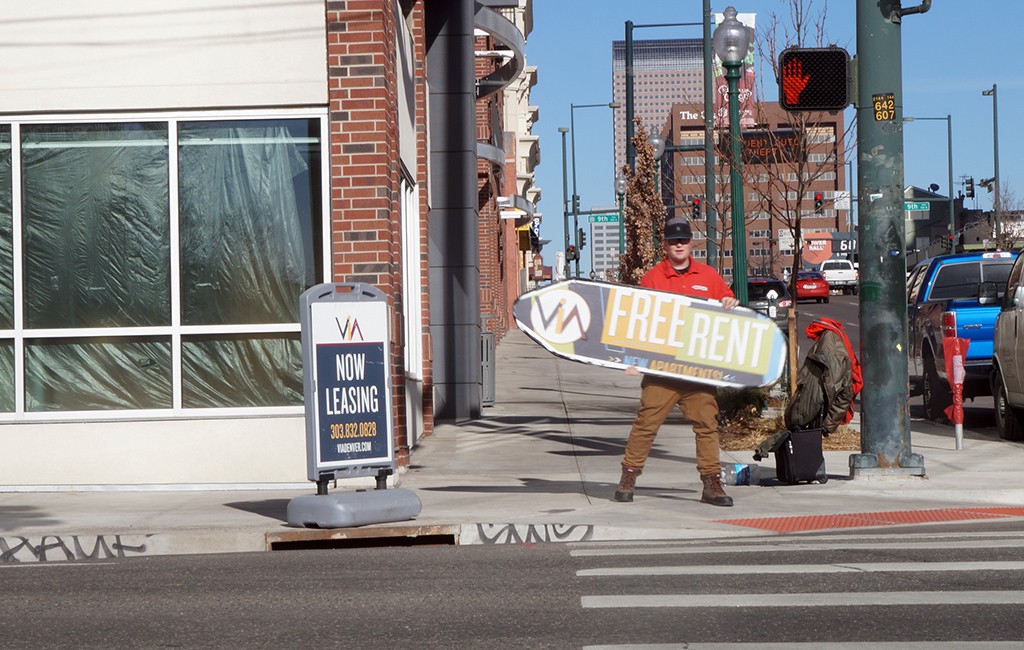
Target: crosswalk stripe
[831, 599]
[824, 546]
[870, 567]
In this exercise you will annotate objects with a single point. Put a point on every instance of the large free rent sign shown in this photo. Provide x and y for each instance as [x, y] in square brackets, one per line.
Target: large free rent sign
[657, 332]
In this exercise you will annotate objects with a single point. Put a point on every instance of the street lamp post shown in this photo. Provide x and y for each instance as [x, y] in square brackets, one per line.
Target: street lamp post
[620, 192]
[575, 196]
[658, 149]
[565, 203]
[995, 152]
[731, 40]
[949, 160]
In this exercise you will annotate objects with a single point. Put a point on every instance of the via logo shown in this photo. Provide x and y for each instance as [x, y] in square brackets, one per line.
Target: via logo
[350, 329]
[560, 316]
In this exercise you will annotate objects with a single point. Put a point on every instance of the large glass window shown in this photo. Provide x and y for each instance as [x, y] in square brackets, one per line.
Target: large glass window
[6, 232]
[246, 197]
[161, 263]
[96, 216]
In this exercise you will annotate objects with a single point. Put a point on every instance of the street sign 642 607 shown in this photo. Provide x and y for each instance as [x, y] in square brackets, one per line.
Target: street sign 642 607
[884, 107]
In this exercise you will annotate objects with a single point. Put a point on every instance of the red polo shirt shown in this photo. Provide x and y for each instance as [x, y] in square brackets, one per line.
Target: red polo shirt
[697, 281]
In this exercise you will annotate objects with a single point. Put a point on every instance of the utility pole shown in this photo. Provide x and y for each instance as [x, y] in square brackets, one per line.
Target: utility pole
[885, 415]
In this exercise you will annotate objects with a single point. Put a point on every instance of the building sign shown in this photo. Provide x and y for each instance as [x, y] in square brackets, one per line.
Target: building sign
[770, 147]
[820, 246]
[347, 380]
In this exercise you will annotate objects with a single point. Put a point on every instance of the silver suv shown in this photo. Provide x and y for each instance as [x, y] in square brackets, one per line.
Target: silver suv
[1008, 354]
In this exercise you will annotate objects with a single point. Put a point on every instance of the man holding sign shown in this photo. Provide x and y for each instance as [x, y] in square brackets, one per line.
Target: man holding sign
[679, 273]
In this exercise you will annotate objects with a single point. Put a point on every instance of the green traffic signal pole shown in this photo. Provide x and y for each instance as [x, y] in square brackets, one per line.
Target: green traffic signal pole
[565, 203]
[885, 415]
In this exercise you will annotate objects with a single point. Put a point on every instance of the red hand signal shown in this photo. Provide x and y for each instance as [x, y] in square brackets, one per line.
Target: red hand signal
[794, 81]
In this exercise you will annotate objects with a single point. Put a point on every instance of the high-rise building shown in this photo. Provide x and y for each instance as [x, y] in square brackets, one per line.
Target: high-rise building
[604, 245]
[665, 72]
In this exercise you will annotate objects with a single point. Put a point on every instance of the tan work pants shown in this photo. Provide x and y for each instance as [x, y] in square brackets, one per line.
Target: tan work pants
[657, 399]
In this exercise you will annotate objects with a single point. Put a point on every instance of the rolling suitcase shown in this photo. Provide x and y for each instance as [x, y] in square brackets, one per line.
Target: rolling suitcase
[798, 457]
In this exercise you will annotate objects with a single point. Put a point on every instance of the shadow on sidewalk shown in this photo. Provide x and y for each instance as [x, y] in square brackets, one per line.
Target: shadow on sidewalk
[15, 517]
[272, 508]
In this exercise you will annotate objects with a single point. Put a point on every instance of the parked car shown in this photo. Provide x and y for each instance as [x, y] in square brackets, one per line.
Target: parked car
[944, 301]
[758, 299]
[1008, 352]
[840, 274]
[811, 285]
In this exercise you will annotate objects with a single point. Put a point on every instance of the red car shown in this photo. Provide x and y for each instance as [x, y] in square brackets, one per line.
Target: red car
[811, 285]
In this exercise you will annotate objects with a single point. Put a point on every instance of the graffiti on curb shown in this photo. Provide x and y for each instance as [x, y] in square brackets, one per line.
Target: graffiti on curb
[66, 548]
[533, 533]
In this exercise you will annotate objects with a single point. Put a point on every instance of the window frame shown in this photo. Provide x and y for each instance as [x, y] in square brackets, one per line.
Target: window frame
[176, 331]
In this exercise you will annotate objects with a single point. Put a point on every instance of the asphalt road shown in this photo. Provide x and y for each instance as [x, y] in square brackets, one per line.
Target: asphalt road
[954, 584]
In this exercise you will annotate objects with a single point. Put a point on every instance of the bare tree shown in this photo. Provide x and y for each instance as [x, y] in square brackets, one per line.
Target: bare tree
[644, 212]
[1011, 226]
[812, 148]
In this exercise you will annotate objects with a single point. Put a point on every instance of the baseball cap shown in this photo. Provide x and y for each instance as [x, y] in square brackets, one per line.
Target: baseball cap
[679, 229]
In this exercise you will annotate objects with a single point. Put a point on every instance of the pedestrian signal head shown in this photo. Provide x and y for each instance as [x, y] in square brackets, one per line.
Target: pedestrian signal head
[814, 79]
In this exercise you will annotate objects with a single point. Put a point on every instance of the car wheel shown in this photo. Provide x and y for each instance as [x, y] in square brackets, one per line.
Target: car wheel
[1008, 419]
[854, 290]
[825, 298]
[936, 394]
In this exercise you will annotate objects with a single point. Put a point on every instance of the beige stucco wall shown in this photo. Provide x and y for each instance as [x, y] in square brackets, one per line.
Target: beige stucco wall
[100, 55]
[216, 451]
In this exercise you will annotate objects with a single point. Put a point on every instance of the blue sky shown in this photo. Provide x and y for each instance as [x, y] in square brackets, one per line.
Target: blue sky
[950, 55]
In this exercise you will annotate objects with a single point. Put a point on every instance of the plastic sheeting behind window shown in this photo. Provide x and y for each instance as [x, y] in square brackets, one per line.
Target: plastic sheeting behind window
[96, 225]
[247, 228]
[84, 375]
[241, 371]
[6, 232]
[7, 376]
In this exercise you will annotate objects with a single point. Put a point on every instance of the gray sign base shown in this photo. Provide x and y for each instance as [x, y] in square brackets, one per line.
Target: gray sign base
[346, 509]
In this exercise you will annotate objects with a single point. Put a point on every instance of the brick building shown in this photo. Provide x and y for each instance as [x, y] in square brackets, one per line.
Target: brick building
[772, 160]
[172, 179]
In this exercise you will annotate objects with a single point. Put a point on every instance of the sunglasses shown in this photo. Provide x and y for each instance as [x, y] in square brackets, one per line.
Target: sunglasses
[673, 242]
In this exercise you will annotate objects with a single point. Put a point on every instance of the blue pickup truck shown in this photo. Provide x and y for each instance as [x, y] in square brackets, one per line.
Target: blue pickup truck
[943, 302]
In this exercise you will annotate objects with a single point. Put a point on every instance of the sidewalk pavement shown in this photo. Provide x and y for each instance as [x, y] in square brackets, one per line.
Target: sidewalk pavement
[540, 465]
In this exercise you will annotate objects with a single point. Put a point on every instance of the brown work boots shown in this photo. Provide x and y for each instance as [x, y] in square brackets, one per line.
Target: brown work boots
[624, 491]
[714, 493]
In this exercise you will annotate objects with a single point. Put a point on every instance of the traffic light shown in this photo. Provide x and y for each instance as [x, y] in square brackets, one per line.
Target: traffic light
[571, 253]
[575, 204]
[814, 79]
[969, 188]
[696, 209]
[582, 238]
[819, 201]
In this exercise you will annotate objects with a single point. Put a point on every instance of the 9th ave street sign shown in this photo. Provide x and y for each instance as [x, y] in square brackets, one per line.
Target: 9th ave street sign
[915, 206]
[604, 218]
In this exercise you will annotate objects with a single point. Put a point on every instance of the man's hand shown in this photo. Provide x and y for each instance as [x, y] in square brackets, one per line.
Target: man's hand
[632, 371]
[729, 303]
